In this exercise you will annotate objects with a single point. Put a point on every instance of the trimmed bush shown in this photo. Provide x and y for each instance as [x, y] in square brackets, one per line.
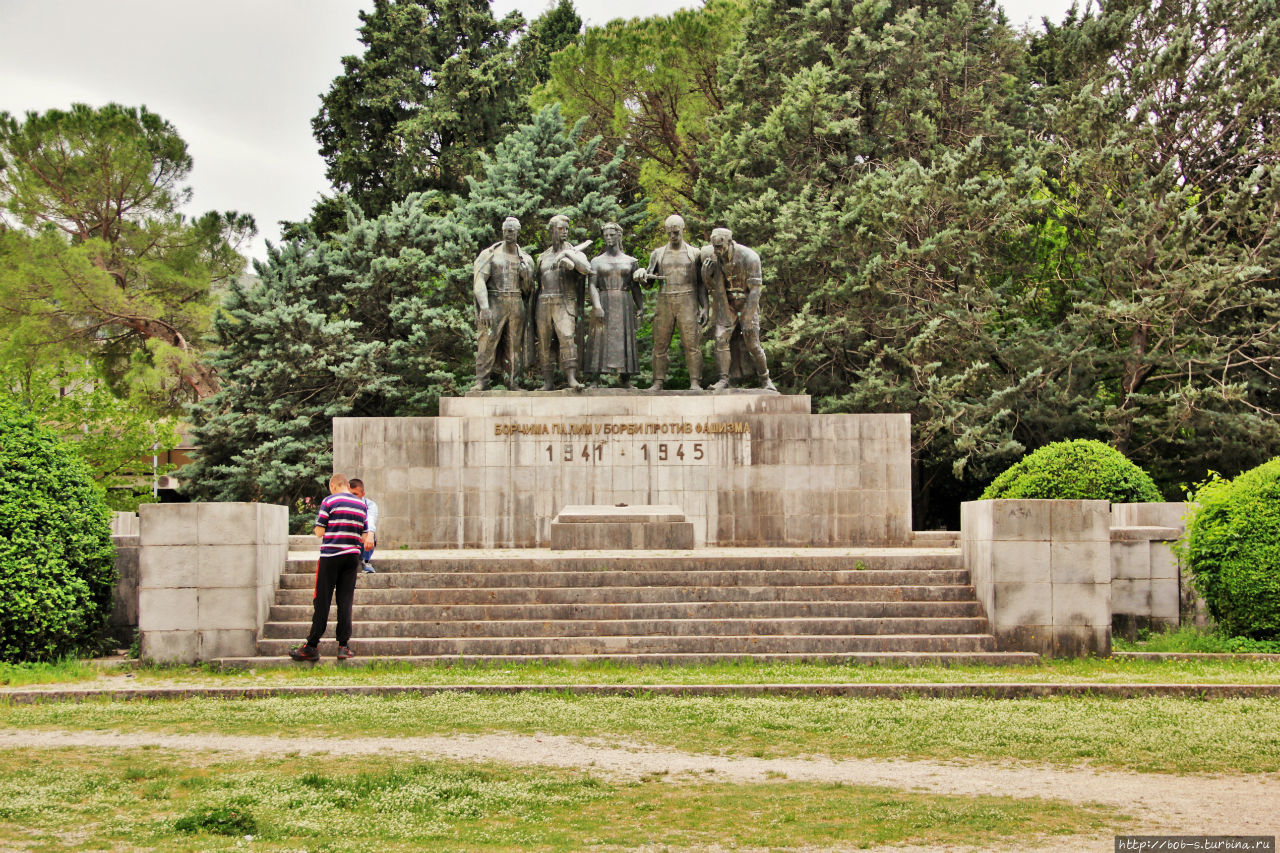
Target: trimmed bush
[57, 563]
[1075, 470]
[1233, 551]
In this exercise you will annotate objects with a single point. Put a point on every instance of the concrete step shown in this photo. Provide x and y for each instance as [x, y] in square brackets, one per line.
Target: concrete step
[366, 595]
[328, 648]
[715, 645]
[657, 610]
[741, 559]
[781, 627]
[747, 578]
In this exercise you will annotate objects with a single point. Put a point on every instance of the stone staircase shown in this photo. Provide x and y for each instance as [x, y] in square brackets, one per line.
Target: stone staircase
[880, 605]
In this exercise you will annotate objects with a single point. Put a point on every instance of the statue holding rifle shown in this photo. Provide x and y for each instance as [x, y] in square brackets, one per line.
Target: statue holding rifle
[560, 290]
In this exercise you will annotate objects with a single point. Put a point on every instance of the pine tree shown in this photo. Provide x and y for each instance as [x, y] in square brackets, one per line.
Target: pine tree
[436, 86]
[649, 83]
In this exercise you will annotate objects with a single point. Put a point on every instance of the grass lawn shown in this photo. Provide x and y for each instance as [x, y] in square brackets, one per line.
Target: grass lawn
[1085, 670]
[154, 799]
[1157, 734]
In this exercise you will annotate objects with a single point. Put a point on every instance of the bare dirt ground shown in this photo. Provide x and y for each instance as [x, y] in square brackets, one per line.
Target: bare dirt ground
[1161, 804]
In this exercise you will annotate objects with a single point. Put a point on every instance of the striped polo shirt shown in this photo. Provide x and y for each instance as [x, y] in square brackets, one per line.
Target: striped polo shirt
[342, 515]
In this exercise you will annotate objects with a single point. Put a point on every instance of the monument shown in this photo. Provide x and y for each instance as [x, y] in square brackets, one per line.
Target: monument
[502, 280]
[732, 273]
[744, 467]
[682, 303]
[557, 299]
[616, 305]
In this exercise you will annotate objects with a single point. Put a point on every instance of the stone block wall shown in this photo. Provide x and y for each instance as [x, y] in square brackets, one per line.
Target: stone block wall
[1147, 587]
[1042, 570]
[207, 575]
[123, 622]
[747, 469]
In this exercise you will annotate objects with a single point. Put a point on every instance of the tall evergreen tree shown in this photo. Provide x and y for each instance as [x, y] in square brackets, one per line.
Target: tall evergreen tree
[550, 33]
[378, 320]
[1163, 168]
[875, 154]
[101, 265]
[436, 86]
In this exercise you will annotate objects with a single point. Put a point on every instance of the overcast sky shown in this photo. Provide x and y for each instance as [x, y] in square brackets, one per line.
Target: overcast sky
[239, 79]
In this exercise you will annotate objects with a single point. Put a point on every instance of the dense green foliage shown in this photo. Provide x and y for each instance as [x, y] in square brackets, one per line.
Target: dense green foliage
[378, 320]
[1018, 238]
[114, 436]
[649, 83]
[1233, 550]
[1015, 238]
[100, 265]
[436, 86]
[57, 565]
[1074, 470]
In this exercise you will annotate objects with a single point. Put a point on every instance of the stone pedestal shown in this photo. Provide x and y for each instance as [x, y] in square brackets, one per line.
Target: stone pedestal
[1042, 570]
[1146, 583]
[207, 575]
[747, 469]
[647, 528]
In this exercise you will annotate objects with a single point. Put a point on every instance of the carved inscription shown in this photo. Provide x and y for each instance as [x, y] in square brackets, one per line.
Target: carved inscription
[590, 441]
[611, 428]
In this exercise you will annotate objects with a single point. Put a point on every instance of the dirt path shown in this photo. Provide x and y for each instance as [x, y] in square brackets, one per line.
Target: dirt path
[1162, 804]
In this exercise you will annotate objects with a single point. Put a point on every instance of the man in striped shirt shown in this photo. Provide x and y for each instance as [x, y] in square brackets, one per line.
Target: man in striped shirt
[342, 527]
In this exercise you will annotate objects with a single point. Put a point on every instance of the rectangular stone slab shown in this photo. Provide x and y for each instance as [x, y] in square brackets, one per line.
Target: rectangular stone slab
[640, 513]
[615, 535]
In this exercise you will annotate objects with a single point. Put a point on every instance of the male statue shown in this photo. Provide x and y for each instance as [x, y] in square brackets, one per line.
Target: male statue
[682, 303]
[560, 289]
[732, 274]
[502, 279]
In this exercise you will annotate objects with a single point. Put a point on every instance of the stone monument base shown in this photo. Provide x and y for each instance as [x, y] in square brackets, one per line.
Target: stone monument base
[602, 528]
[747, 469]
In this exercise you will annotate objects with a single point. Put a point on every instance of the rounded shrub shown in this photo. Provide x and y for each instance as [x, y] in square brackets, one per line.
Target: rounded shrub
[1233, 551]
[57, 563]
[1075, 470]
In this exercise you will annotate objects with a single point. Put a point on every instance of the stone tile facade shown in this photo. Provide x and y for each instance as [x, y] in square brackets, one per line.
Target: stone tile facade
[1042, 570]
[207, 575]
[747, 469]
[1147, 588]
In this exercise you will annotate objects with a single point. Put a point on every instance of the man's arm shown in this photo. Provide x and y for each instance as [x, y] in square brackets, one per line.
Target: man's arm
[322, 520]
[755, 286]
[479, 285]
[699, 285]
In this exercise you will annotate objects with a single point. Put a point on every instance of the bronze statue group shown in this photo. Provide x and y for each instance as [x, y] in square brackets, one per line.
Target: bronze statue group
[531, 312]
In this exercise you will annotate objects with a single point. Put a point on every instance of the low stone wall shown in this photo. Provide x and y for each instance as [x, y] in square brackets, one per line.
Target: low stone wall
[207, 575]
[1042, 569]
[1146, 579]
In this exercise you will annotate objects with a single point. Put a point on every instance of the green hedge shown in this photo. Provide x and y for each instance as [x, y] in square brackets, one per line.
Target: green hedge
[1233, 551]
[1075, 470]
[57, 563]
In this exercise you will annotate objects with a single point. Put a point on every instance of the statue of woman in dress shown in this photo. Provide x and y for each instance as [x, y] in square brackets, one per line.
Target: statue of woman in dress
[616, 304]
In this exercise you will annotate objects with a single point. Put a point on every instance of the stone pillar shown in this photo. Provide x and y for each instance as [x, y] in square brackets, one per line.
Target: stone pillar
[207, 574]
[123, 622]
[1147, 588]
[1042, 570]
